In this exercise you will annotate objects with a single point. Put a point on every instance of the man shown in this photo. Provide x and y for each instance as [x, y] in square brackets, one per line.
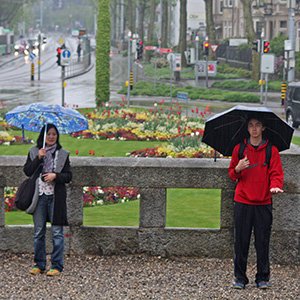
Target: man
[257, 181]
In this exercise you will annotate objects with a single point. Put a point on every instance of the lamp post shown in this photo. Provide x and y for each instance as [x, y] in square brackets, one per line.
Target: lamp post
[128, 87]
[196, 64]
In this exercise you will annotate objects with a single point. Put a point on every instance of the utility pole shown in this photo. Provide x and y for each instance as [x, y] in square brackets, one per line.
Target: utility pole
[129, 63]
[196, 63]
[292, 62]
[39, 59]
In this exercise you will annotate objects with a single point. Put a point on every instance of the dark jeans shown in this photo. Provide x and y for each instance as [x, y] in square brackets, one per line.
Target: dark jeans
[42, 213]
[247, 217]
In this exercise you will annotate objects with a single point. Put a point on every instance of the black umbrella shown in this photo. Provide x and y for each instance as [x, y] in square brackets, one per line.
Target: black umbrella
[225, 130]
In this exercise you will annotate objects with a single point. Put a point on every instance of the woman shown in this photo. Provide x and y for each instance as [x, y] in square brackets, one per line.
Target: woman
[49, 200]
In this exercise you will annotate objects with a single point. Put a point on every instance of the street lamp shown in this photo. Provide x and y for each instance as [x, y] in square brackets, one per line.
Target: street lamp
[196, 64]
[128, 87]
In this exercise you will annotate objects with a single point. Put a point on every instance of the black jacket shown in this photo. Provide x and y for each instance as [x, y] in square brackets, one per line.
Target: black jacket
[63, 176]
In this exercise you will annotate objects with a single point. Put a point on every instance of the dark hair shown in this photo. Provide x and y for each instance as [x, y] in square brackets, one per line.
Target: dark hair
[40, 139]
[256, 117]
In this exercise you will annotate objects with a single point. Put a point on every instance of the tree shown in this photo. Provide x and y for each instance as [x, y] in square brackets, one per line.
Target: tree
[210, 25]
[102, 53]
[251, 36]
[182, 31]
[142, 8]
[164, 24]
[151, 22]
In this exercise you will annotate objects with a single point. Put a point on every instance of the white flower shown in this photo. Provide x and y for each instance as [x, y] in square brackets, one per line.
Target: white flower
[197, 132]
[192, 134]
[138, 196]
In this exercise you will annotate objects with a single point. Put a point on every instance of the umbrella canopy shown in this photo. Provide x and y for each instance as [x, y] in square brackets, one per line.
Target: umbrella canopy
[34, 116]
[225, 130]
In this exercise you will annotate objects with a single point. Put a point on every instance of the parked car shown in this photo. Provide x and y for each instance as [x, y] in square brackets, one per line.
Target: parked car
[292, 104]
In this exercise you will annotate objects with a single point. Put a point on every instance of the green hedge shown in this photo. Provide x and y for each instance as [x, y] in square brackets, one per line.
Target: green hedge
[147, 89]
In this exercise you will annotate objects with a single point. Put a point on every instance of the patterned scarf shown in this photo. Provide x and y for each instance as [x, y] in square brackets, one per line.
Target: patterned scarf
[48, 160]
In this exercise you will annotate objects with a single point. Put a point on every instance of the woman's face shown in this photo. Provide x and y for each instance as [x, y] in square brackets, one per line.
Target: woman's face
[51, 137]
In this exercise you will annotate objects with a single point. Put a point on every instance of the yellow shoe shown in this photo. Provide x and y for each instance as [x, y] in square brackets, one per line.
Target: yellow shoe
[35, 271]
[53, 272]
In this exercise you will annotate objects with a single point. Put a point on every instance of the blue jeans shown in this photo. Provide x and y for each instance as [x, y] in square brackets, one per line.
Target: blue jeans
[42, 214]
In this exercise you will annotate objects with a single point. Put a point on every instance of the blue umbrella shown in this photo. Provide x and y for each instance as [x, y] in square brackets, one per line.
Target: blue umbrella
[34, 116]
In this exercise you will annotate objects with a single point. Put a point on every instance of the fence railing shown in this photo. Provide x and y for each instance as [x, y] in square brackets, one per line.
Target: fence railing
[78, 66]
[154, 176]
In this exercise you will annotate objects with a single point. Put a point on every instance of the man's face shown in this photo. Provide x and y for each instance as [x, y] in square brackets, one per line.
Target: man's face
[255, 128]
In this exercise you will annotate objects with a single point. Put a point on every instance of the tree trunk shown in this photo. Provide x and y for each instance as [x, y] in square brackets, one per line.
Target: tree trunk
[210, 27]
[141, 8]
[130, 17]
[151, 22]
[182, 31]
[164, 24]
[251, 36]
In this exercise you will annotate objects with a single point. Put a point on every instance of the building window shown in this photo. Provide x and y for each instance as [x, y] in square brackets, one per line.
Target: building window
[221, 6]
[230, 3]
[283, 24]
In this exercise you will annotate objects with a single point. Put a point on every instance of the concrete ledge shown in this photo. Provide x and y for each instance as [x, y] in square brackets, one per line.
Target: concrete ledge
[153, 176]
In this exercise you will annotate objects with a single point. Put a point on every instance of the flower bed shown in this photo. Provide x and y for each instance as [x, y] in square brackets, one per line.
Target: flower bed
[92, 196]
[96, 196]
[159, 123]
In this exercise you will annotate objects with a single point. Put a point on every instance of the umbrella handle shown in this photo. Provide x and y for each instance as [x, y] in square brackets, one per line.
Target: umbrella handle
[45, 133]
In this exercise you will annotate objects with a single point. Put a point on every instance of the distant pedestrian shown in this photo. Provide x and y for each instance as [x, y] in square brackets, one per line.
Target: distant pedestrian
[79, 51]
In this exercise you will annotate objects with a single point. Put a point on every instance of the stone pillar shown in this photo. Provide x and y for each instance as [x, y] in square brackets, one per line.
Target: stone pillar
[152, 208]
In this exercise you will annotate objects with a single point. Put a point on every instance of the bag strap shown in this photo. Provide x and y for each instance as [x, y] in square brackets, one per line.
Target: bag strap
[268, 154]
[241, 150]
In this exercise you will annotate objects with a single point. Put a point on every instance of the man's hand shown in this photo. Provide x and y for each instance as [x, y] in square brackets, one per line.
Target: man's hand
[242, 165]
[275, 191]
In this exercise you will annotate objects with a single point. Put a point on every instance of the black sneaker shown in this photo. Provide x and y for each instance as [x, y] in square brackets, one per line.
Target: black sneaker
[263, 285]
[238, 285]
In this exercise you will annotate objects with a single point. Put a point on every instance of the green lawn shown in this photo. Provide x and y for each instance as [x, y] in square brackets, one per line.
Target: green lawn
[101, 147]
[198, 208]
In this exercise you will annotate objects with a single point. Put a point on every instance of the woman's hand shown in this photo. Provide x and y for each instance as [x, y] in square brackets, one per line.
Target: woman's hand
[242, 165]
[42, 153]
[49, 177]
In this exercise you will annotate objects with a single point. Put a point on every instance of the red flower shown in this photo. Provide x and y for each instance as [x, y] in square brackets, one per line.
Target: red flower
[76, 152]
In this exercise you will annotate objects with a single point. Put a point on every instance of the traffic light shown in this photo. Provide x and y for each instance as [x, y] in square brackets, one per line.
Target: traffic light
[58, 54]
[139, 49]
[256, 46]
[206, 48]
[266, 46]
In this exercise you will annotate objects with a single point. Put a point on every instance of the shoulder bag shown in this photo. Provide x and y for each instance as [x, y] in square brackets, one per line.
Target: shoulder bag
[25, 191]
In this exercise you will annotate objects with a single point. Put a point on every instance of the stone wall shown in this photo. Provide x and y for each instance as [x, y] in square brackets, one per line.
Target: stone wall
[153, 176]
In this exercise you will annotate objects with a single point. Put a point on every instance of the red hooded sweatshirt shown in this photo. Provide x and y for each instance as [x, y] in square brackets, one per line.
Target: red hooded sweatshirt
[254, 183]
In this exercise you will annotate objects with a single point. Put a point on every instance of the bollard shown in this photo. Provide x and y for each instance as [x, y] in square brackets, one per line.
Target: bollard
[32, 71]
[283, 92]
[131, 80]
